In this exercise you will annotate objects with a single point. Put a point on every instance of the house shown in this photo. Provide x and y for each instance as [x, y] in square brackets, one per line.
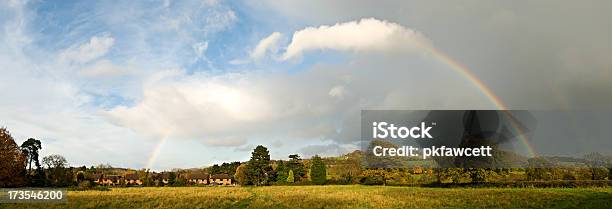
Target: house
[198, 178]
[417, 170]
[95, 177]
[108, 180]
[132, 179]
[220, 179]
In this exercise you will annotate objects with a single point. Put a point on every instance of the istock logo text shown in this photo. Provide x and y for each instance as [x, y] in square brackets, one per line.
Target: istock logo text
[384, 130]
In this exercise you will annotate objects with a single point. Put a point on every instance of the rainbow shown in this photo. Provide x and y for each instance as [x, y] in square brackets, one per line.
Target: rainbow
[471, 77]
[156, 150]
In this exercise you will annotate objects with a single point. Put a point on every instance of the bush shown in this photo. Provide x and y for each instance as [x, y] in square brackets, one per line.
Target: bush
[372, 180]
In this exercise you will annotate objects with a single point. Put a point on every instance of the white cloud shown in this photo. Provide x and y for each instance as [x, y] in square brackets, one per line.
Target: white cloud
[104, 68]
[97, 47]
[266, 45]
[364, 35]
[199, 107]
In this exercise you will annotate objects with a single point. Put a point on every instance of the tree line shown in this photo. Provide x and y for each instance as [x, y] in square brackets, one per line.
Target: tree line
[20, 166]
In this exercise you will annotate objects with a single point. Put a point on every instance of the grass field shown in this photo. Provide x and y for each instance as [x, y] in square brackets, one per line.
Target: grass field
[334, 197]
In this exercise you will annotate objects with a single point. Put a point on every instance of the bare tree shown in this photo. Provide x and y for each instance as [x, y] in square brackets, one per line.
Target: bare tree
[55, 161]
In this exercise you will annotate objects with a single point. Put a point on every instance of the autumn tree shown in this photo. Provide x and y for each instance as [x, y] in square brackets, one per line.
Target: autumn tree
[240, 176]
[12, 161]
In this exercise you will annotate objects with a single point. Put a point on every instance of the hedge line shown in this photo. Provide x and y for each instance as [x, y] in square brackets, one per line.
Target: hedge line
[536, 184]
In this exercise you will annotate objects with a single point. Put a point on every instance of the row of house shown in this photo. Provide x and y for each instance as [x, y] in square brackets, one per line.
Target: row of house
[134, 179]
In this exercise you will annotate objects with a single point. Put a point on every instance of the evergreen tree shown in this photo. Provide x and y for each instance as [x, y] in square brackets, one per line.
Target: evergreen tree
[281, 172]
[258, 167]
[295, 163]
[30, 147]
[318, 172]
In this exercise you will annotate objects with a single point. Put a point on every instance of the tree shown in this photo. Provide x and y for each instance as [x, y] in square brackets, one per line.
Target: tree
[240, 176]
[597, 163]
[258, 167]
[55, 161]
[215, 169]
[171, 178]
[295, 163]
[290, 178]
[56, 165]
[12, 161]
[80, 176]
[224, 168]
[30, 147]
[318, 172]
[281, 172]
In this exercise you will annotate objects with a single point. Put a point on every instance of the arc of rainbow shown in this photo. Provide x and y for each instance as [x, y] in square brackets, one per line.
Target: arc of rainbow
[156, 150]
[498, 103]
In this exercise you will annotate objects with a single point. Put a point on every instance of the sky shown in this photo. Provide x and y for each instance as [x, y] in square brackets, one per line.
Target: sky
[181, 84]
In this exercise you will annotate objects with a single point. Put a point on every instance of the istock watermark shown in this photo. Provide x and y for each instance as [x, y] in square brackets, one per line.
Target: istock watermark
[442, 138]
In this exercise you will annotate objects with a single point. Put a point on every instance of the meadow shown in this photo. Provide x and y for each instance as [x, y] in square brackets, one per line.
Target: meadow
[354, 196]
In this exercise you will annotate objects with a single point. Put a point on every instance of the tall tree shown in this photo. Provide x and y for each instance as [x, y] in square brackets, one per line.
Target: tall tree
[30, 147]
[295, 163]
[12, 161]
[258, 167]
[318, 172]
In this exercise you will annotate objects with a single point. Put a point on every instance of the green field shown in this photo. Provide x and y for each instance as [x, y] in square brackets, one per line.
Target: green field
[334, 197]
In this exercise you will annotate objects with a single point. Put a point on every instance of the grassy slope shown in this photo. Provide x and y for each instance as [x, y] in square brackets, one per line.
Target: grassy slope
[334, 197]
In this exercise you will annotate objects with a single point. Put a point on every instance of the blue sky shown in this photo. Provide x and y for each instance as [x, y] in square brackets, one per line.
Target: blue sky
[105, 81]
